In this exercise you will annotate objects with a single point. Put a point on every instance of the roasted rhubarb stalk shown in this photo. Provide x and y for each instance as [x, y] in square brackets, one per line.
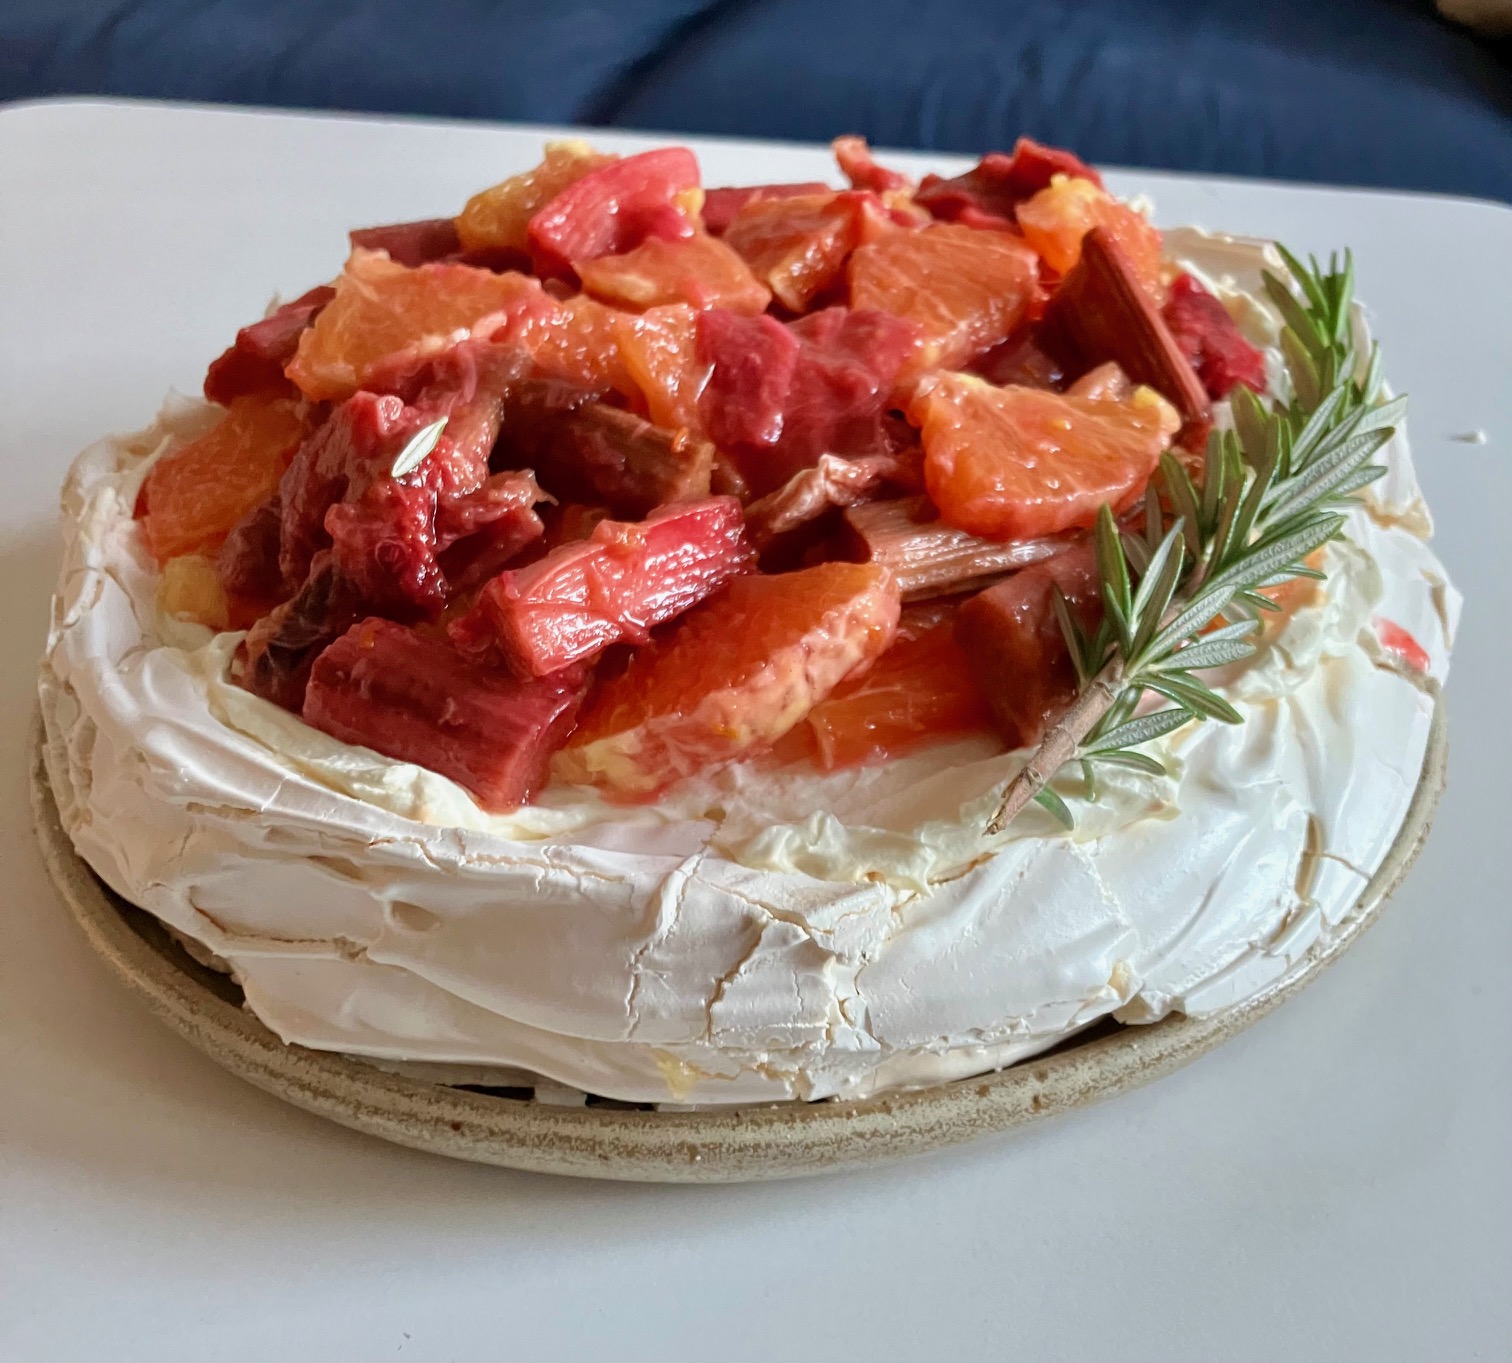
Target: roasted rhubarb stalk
[613, 587]
[928, 558]
[1101, 313]
[808, 494]
[415, 699]
[583, 451]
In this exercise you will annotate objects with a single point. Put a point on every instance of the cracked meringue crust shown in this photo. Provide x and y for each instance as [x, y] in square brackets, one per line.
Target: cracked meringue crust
[757, 934]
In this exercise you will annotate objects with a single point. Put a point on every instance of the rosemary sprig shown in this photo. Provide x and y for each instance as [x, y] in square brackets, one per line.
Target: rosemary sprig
[1272, 490]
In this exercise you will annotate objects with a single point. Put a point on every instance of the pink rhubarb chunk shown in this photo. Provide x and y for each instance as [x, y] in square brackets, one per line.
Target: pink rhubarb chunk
[614, 587]
[413, 698]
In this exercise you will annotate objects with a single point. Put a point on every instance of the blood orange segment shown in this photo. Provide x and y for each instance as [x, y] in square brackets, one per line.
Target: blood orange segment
[615, 207]
[415, 699]
[736, 674]
[965, 289]
[1015, 647]
[1056, 219]
[699, 270]
[384, 314]
[498, 218]
[921, 690]
[1017, 463]
[798, 246]
[194, 496]
[615, 586]
[659, 350]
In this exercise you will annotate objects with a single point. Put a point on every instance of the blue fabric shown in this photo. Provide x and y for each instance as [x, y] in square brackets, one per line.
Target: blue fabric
[1375, 92]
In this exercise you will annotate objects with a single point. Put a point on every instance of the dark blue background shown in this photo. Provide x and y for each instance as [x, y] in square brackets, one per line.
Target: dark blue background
[1374, 92]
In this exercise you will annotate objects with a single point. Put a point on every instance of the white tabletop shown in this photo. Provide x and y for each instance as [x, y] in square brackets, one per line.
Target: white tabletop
[1334, 1184]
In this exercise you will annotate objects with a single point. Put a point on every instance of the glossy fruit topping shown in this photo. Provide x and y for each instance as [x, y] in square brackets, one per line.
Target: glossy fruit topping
[614, 587]
[965, 290]
[1056, 219]
[1015, 646]
[415, 699]
[732, 677]
[700, 270]
[498, 218]
[614, 208]
[1019, 463]
[194, 496]
[1211, 340]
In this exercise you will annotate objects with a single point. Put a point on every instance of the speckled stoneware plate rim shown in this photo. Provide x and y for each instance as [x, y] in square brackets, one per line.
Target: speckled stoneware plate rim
[717, 1145]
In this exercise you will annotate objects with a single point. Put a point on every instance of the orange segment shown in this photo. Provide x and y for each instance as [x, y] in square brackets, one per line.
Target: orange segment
[700, 270]
[735, 675]
[576, 339]
[497, 218]
[967, 289]
[798, 246]
[1056, 219]
[1018, 463]
[194, 496]
[385, 312]
[660, 352]
[919, 691]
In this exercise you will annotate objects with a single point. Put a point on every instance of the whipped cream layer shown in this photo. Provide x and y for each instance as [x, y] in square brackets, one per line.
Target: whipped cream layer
[761, 933]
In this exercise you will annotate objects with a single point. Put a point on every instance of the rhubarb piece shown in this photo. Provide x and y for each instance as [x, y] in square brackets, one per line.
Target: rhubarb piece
[383, 543]
[1211, 340]
[410, 243]
[834, 481]
[1101, 313]
[384, 313]
[965, 290]
[779, 397]
[922, 690]
[988, 194]
[248, 560]
[700, 270]
[929, 558]
[357, 444]
[614, 587]
[1021, 360]
[194, 496]
[1056, 222]
[255, 362]
[1020, 463]
[614, 208]
[482, 533]
[721, 205]
[498, 218]
[859, 166]
[1013, 641]
[585, 451]
[734, 676]
[415, 699]
[275, 658]
[798, 246]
